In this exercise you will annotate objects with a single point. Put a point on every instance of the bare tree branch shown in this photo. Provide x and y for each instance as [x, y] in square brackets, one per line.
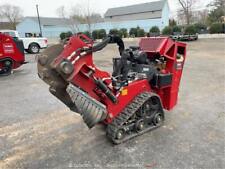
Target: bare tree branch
[11, 13]
[187, 7]
[71, 22]
[61, 12]
[86, 15]
[80, 14]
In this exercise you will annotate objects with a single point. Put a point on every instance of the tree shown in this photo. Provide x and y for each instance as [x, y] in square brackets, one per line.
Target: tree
[95, 34]
[84, 14]
[216, 28]
[172, 23]
[101, 33]
[80, 13]
[187, 7]
[190, 29]
[87, 15]
[133, 32]
[200, 27]
[96, 17]
[155, 29]
[140, 32]
[72, 22]
[218, 10]
[61, 12]
[176, 29]
[13, 14]
[114, 32]
[124, 32]
[203, 15]
[167, 30]
[65, 35]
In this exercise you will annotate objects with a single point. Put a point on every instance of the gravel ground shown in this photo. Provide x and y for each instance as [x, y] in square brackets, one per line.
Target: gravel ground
[38, 131]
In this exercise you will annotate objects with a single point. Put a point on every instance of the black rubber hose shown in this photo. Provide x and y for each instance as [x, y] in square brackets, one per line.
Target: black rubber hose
[101, 45]
[119, 41]
[109, 39]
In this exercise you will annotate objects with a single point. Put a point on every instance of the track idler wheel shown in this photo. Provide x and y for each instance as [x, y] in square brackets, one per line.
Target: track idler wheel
[158, 119]
[120, 134]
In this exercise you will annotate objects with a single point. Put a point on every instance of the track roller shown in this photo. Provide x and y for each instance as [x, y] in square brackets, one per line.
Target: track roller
[143, 114]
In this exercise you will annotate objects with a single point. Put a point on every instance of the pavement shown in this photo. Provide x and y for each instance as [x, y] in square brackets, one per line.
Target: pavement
[38, 131]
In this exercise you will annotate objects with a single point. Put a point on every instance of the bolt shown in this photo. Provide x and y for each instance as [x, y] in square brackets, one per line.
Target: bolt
[66, 67]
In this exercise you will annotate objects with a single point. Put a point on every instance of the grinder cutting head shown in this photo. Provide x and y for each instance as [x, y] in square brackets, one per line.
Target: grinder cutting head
[57, 84]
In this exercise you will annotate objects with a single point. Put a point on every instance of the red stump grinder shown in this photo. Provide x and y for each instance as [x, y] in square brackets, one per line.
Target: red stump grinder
[11, 54]
[131, 101]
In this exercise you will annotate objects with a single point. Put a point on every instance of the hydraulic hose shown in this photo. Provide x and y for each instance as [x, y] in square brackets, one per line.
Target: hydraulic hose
[101, 45]
[109, 39]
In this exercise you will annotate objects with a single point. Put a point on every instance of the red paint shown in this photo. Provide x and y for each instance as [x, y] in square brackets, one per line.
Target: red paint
[152, 46]
[167, 47]
[9, 50]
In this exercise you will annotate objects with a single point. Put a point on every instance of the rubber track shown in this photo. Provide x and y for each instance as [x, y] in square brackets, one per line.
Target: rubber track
[126, 114]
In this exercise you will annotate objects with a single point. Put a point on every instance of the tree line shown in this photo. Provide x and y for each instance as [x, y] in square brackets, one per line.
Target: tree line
[83, 13]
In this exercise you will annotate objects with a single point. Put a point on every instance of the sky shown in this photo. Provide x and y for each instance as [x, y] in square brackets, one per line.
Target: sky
[47, 8]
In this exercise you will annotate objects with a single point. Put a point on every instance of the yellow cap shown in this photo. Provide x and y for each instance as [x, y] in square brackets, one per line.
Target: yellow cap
[124, 92]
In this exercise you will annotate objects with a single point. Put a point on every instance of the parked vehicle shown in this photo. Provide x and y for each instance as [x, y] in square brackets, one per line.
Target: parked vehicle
[182, 37]
[31, 45]
[11, 54]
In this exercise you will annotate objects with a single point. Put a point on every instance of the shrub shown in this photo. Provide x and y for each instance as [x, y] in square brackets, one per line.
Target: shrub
[190, 30]
[123, 32]
[114, 32]
[62, 35]
[140, 32]
[176, 29]
[133, 32]
[200, 27]
[155, 29]
[101, 33]
[69, 34]
[65, 35]
[137, 32]
[95, 34]
[216, 28]
[167, 30]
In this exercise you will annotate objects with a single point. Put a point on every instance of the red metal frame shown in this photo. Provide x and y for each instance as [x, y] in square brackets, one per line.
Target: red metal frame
[9, 50]
[152, 46]
[168, 48]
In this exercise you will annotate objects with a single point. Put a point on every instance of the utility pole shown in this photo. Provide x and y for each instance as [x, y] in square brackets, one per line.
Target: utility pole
[39, 20]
